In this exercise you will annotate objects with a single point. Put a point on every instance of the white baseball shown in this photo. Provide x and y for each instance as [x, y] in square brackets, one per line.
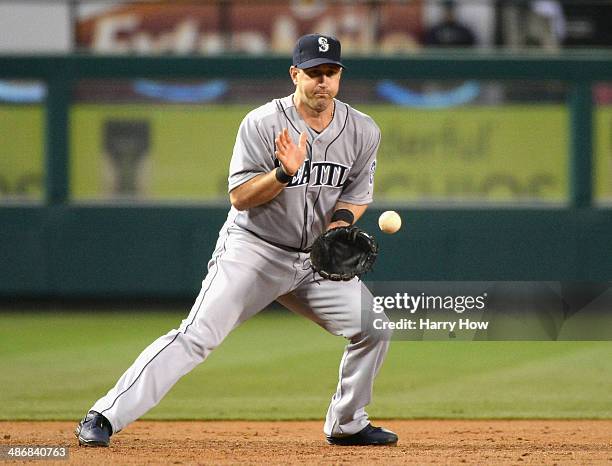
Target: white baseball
[389, 221]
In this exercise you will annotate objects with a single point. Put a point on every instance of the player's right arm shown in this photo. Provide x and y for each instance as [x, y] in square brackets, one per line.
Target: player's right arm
[266, 186]
[257, 191]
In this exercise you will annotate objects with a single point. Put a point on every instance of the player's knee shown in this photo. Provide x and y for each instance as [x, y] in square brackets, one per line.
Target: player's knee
[381, 331]
[201, 341]
[376, 330]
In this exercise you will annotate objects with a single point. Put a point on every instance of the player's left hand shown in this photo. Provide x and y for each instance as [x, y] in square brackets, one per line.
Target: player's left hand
[343, 253]
[338, 224]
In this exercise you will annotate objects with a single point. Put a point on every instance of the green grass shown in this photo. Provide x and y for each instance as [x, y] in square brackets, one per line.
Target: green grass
[279, 366]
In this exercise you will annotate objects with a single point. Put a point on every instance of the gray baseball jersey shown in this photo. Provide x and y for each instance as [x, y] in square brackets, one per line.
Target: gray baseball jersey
[339, 166]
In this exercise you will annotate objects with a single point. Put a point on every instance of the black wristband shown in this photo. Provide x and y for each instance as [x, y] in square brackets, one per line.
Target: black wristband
[281, 176]
[344, 215]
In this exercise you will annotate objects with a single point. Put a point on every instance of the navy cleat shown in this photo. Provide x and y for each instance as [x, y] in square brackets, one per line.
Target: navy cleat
[94, 430]
[369, 435]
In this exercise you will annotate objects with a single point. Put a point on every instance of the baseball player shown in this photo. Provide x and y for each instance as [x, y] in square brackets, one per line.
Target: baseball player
[301, 165]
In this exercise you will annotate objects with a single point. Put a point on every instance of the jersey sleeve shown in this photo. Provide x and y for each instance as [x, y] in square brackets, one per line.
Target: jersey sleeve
[251, 155]
[359, 188]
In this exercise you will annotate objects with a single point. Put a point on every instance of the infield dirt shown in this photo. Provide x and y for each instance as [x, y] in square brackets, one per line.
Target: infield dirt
[242, 442]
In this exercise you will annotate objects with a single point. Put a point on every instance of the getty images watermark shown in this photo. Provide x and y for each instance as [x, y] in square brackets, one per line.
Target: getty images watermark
[488, 310]
[411, 304]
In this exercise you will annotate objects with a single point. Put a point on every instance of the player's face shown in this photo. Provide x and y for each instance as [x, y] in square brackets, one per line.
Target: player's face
[316, 87]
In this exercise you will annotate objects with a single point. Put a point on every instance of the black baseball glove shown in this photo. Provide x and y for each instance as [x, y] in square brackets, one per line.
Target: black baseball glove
[343, 253]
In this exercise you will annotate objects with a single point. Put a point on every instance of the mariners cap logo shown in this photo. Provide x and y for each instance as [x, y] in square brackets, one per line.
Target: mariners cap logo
[316, 49]
[323, 45]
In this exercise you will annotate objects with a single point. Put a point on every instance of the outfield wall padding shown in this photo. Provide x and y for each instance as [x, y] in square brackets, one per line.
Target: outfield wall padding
[116, 252]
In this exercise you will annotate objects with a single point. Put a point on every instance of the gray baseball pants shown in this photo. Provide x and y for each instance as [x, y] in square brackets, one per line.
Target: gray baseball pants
[245, 275]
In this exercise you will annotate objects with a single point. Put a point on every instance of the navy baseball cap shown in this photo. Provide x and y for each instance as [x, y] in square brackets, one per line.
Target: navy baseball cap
[316, 49]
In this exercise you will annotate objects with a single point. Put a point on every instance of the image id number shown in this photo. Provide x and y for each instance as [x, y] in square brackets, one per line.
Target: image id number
[32, 452]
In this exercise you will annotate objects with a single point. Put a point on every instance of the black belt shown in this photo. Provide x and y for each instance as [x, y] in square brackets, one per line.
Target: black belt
[278, 245]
